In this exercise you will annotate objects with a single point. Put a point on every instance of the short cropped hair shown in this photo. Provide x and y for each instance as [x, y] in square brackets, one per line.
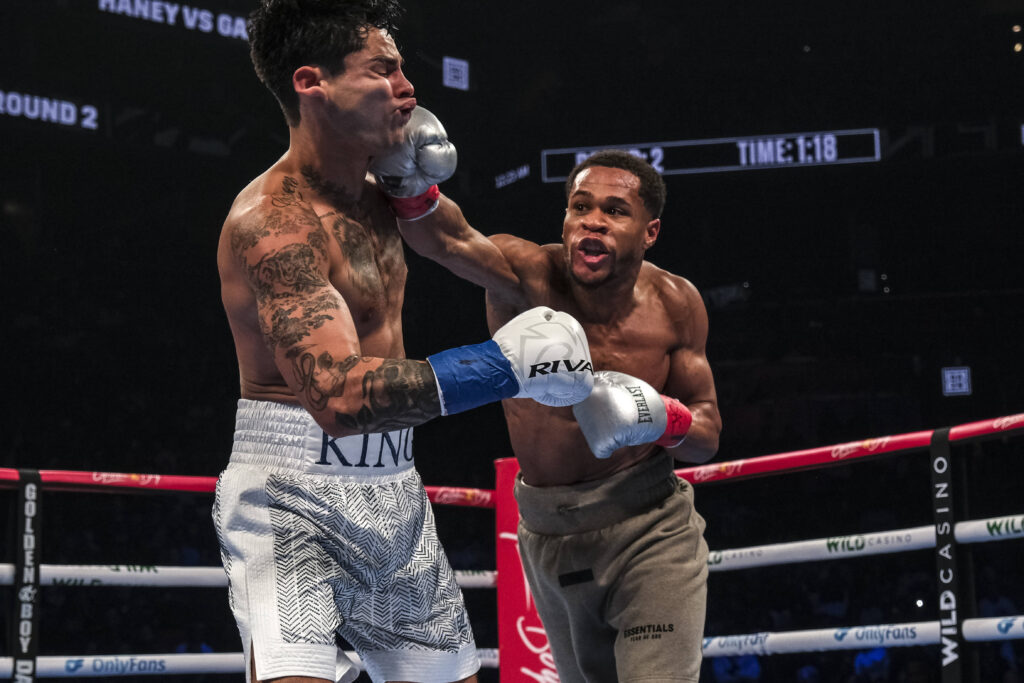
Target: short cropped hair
[287, 34]
[652, 187]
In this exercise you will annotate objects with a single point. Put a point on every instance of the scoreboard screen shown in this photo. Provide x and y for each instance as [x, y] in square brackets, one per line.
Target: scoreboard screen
[732, 154]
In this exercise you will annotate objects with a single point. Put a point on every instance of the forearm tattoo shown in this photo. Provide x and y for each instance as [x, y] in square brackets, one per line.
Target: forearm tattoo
[320, 378]
[398, 393]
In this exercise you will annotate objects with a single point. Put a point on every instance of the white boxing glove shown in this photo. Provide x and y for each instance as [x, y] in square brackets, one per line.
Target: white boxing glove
[540, 354]
[549, 353]
[623, 410]
[409, 172]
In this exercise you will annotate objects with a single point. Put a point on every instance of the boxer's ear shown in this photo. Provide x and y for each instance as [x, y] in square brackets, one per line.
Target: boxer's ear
[309, 81]
[652, 231]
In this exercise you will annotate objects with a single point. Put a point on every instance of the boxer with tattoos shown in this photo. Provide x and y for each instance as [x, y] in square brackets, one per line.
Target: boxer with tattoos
[324, 525]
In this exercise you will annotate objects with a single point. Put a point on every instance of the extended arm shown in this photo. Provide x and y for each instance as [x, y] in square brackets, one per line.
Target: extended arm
[446, 237]
[309, 329]
[431, 224]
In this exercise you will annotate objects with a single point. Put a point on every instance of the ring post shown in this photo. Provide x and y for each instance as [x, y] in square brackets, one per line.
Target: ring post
[525, 653]
[25, 620]
[951, 640]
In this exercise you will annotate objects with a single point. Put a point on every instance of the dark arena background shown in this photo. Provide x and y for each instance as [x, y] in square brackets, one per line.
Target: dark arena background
[845, 188]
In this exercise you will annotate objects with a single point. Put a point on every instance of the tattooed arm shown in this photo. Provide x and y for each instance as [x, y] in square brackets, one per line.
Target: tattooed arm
[282, 250]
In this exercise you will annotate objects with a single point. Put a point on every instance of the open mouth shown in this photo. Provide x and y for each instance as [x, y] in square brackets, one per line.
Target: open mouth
[592, 251]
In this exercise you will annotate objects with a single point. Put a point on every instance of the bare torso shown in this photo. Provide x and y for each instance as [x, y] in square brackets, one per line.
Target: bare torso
[547, 441]
[367, 267]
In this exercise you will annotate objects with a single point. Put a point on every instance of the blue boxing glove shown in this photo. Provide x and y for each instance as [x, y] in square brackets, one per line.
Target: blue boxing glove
[409, 172]
[540, 354]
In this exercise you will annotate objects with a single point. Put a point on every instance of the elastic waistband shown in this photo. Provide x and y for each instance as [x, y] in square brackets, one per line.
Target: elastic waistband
[560, 510]
[286, 438]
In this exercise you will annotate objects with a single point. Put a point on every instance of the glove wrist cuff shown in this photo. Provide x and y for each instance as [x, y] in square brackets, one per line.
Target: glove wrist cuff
[470, 376]
[679, 420]
[414, 208]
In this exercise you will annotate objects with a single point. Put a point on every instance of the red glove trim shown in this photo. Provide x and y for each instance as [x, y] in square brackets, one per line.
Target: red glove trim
[411, 208]
[679, 420]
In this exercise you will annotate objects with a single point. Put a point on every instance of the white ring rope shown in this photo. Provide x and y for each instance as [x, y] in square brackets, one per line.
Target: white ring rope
[993, 628]
[834, 547]
[173, 577]
[765, 643]
[880, 543]
[941, 633]
[860, 637]
[108, 666]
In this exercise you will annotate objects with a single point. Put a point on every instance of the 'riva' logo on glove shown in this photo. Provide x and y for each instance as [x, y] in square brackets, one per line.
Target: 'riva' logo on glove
[551, 367]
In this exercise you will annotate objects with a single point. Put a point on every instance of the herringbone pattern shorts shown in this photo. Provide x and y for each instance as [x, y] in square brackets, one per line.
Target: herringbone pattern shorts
[312, 556]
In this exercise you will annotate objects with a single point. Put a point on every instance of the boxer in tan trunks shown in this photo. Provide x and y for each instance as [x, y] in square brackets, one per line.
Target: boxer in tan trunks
[612, 546]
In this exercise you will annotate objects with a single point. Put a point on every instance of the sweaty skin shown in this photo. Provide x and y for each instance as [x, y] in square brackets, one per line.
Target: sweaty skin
[365, 268]
[547, 442]
[311, 262]
[639, 319]
[312, 265]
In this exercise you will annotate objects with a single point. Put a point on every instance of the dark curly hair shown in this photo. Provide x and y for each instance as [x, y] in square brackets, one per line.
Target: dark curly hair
[287, 34]
[652, 187]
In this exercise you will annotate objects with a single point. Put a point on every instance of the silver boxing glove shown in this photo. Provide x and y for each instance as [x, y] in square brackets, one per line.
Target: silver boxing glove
[409, 172]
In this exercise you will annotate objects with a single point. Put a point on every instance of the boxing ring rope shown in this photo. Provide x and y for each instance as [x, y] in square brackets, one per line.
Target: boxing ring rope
[943, 632]
[947, 631]
[80, 666]
[173, 577]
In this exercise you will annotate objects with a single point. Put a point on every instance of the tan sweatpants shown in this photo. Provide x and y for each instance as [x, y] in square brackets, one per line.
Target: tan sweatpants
[618, 571]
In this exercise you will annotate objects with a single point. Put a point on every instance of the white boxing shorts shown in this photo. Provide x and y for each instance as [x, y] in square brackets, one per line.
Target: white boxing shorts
[324, 538]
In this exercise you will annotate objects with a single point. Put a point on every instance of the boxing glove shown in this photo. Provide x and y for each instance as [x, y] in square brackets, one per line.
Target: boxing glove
[409, 172]
[540, 354]
[623, 410]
